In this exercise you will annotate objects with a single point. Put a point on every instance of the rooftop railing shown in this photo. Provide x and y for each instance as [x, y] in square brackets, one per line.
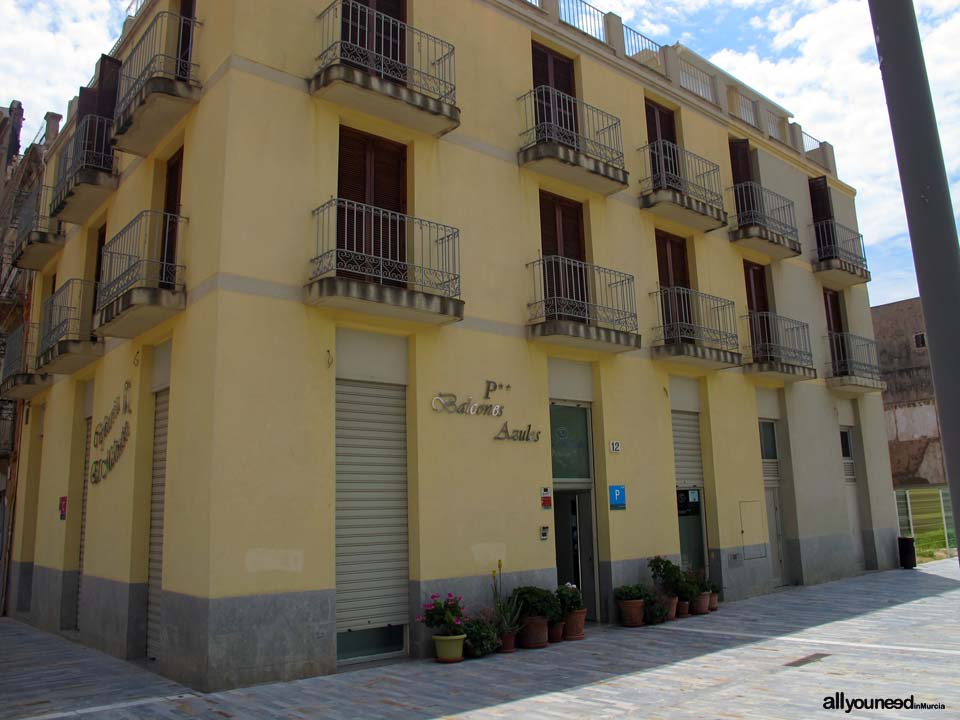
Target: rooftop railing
[693, 317]
[644, 50]
[852, 355]
[143, 254]
[353, 34]
[67, 314]
[34, 216]
[810, 143]
[20, 355]
[746, 110]
[89, 148]
[165, 50]
[360, 241]
[567, 289]
[697, 81]
[774, 338]
[758, 206]
[836, 241]
[667, 166]
[553, 116]
[585, 17]
[775, 125]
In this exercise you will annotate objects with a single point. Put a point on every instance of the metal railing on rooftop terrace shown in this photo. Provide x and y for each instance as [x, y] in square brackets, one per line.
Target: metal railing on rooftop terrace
[689, 316]
[143, 254]
[165, 50]
[553, 116]
[585, 17]
[852, 355]
[364, 242]
[67, 314]
[567, 289]
[758, 206]
[20, 351]
[34, 216]
[810, 143]
[353, 34]
[667, 166]
[697, 81]
[89, 148]
[644, 50]
[774, 338]
[836, 241]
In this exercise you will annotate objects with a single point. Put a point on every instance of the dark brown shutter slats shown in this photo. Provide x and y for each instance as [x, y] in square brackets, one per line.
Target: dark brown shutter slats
[352, 169]
[820, 201]
[541, 66]
[571, 230]
[549, 228]
[740, 161]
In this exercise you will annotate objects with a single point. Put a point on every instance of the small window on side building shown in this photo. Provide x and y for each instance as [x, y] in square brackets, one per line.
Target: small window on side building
[920, 340]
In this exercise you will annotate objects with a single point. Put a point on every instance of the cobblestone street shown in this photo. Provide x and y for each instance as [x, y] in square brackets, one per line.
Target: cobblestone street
[890, 634]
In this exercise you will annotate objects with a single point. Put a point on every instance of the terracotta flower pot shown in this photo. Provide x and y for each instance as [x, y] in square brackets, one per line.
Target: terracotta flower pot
[534, 633]
[631, 612]
[700, 604]
[573, 627]
[683, 608]
[714, 601]
[449, 648]
[508, 643]
[671, 603]
[555, 632]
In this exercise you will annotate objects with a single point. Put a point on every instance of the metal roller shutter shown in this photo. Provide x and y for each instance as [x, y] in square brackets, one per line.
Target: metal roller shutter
[371, 513]
[771, 472]
[157, 489]
[83, 511]
[687, 459]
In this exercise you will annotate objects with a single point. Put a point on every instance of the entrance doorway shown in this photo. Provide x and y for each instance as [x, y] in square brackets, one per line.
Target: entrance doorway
[770, 455]
[574, 511]
[693, 554]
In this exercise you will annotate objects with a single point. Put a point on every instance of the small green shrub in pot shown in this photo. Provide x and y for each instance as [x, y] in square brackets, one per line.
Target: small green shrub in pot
[666, 574]
[536, 602]
[633, 592]
[570, 597]
[482, 634]
[654, 611]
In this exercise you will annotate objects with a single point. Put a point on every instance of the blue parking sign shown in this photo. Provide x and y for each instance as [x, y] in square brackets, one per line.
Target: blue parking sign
[618, 497]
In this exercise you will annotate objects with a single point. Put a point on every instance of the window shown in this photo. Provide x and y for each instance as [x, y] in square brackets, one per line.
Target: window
[768, 440]
[920, 340]
[846, 444]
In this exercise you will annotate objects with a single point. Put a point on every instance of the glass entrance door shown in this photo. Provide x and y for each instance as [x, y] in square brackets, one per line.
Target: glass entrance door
[692, 544]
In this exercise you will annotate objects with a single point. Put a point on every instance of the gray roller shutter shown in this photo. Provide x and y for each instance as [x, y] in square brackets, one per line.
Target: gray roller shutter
[83, 511]
[771, 472]
[686, 449]
[371, 511]
[157, 490]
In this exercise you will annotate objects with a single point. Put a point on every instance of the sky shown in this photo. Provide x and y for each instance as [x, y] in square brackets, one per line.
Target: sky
[816, 58]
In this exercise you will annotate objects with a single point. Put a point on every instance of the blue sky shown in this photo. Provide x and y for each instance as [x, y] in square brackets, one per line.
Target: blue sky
[815, 57]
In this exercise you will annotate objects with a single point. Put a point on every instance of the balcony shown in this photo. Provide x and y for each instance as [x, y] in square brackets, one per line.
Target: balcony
[85, 171]
[381, 66]
[158, 84]
[839, 260]
[575, 303]
[38, 237]
[681, 186]
[141, 284]
[779, 348]
[8, 427]
[67, 343]
[854, 365]
[698, 329]
[382, 262]
[766, 221]
[19, 380]
[565, 138]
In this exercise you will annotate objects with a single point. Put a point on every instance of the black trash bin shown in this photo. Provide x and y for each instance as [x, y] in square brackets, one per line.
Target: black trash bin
[908, 553]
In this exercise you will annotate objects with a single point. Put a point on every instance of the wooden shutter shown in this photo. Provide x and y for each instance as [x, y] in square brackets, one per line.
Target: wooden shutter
[108, 82]
[571, 230]
[740, 161]
[392, 8]
[563, 79]
[672, 260]
[352, 170]
[389, 175]
[831, 302]
[549, 225]
[756, 279]
[820, 201]
[660, 123]
[541, 66]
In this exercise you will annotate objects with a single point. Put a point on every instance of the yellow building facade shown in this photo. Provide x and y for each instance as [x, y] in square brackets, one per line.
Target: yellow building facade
[333, 312]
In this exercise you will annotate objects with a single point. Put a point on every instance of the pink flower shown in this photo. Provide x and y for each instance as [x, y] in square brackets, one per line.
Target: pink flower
[456, 621]
[435, 596]
[449, 595]
[419, 618]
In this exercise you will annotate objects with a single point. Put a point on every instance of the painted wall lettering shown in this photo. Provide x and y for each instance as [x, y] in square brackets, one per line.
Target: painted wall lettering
[101, 467]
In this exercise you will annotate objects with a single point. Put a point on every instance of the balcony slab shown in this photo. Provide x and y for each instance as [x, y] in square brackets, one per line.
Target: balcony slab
[582, 335]
[157, 108]
[779, 370]
[684, 209]
[358, 89]
[764, 240]
[24, 386]
[699, 355]
[837, 274]
[855, 385]
[39, 248]
[68, 356]
[88, 190]
[570, 165]
[138, 310]
[384, 300]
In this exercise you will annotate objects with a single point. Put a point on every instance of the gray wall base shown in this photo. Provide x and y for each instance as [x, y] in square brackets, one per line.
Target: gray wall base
[883, 545]
[741, 571]
[54, 599]
[21, 587]
[113, 616]
[822, 558]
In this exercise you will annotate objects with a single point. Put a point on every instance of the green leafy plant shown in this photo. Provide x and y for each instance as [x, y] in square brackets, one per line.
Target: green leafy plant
[633, 592]
[537, 602]
[570, 597]
[506, 610]
[444, 616]
[654, 611]
[714, 588]
[667, 575]
[687, 587]
[482, 635]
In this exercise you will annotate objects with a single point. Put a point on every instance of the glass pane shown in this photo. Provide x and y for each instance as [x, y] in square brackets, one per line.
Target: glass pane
[948, 515]
[768, 440]
[367, 643]
[570, 442]
[692, 556]
[903, 513]
[845, 444]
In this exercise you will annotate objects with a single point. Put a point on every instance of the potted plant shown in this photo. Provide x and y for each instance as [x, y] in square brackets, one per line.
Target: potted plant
[687, 590]
[574, 612]
[482, 635]
[666, 575]
[714, 597]
[507, 612]
[631, 600]
[537, 606]
[700, 603]
[555, 623]
[654, 610]
[447, 618]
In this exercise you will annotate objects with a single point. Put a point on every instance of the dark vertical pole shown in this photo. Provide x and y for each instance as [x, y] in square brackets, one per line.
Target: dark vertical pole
[926, 196]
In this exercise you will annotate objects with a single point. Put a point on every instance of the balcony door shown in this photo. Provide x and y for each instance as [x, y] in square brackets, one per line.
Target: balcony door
[674, 273]
[374, 37]
[742, 173]
[552, 70]
[171, 221]
[758, 305]
[838, 347]
[371, 226]
[821, 203]
[185, 39]
[664, 160]
[562, 246]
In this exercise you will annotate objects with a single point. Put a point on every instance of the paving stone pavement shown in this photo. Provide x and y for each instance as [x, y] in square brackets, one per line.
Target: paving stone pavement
[891, 634]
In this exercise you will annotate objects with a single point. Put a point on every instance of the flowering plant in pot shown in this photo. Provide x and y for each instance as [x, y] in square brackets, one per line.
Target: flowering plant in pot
[631, 600]
[700, 604]
[537, 606]
[447, 618]
[507, 613]
[574, 611]
[667, 576]
[714, 597]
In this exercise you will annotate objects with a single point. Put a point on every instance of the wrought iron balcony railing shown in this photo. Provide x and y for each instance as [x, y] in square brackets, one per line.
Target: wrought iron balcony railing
[165, 50]
[553, 116]
[836, 241]
[8, 419]
[67, 314]
[142, 255]
[667, 166]
[34, 216]
[21, 351]
[567, 289]
[694, 317]
[89, 148]
[758, 206]
[852, 355]
[774, 338]
[367, 243]
[353, 34]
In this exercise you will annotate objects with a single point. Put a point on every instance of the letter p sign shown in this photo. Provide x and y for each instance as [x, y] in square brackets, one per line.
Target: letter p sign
[618, 497]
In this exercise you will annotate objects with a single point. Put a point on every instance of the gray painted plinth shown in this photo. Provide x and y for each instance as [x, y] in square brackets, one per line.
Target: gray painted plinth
[113, 617]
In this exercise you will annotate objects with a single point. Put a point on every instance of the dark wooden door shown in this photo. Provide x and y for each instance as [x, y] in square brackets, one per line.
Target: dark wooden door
[561, 236]
[375, 37]
[98, 266]
[746, 202]
[676, 306]
[838, 345]
[171, 221]
[664, 158]
[822, 206]
[552, 70]
[185, 39]
[762, 329]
